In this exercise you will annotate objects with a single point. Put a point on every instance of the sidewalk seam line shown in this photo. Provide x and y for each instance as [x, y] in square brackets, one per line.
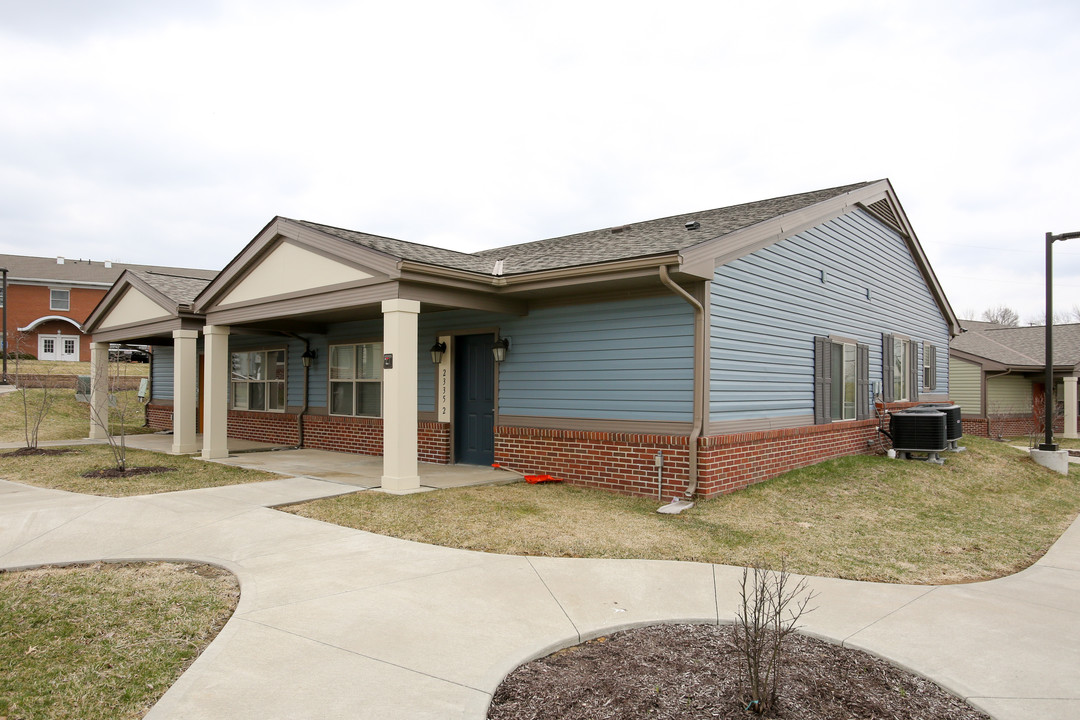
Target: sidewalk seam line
[920, 596]
[577, 630]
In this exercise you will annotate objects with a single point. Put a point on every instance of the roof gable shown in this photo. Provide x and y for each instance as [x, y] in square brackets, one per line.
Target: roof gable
[289, 268]
[1021, 347]
[133, 306]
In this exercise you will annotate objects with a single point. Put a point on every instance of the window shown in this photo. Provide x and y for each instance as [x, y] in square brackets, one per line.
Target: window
[841, 380]
[356, 379]
[900, 369]
[48, 346]
[929, 355]
[258, 380]
[69, 346]
[60, 300]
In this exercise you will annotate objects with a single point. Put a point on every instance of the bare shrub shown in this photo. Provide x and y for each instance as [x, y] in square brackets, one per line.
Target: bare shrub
[769, 611]
[35, 409]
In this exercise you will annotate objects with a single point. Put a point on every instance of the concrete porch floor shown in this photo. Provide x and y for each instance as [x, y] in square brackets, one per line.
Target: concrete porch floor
[360, 471]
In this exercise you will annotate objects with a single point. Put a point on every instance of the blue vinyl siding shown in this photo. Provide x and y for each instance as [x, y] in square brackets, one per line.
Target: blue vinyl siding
[627, 360]
[768, 306]
[162, 367]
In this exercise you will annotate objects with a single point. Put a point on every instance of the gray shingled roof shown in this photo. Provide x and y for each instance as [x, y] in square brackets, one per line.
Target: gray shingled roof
[1020, 346]
[642, 239]
[26, 267]
[181, 289]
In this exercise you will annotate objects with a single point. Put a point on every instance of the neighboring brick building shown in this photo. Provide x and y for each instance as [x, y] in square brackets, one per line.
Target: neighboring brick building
[48, 298]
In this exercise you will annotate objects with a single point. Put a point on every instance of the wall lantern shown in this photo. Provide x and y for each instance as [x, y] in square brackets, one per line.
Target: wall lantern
[499, 349]
[437, 351]
[307, 357]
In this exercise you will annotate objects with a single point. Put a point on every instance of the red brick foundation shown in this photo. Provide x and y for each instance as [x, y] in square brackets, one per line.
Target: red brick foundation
[277, 428]
[159, 417]
[625, 462]
[1003, 426]
[622, 462]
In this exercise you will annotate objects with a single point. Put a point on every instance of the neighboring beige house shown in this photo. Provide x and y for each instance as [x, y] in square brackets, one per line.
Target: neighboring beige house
[997, 376]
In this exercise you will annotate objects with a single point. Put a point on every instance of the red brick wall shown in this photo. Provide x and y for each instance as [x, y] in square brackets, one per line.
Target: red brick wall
[344, 434]
[999, 426]
[625, 462]
[323, 432]
[159, 417]
[622, 462]
[277, 428]
[27, 303]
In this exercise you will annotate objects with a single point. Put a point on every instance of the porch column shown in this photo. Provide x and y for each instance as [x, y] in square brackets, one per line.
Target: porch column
[185, 360]
[1070, 407]
[215, 399]
[99, 390]
[400, 473]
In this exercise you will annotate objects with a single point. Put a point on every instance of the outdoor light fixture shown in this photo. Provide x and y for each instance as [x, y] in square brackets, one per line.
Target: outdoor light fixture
[499, 349]
[307, 357]
[437, 351]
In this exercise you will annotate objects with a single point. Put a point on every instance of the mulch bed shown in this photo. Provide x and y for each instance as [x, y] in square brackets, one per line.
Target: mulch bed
[130, 472]
[26, 452]
[695, 671]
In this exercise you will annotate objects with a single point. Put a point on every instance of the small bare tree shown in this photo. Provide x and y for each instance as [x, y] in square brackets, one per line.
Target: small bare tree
[122, 405]
[770, 608]
[35, 408]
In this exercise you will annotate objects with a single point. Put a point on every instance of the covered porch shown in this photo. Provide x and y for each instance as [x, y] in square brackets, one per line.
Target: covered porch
[360, 471]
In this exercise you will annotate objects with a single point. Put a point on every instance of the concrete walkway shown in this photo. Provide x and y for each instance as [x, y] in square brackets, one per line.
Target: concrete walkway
[338, 623]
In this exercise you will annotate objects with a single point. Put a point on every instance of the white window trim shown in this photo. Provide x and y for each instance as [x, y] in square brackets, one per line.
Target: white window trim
[351, 381]
[52, 306]
[268, 382]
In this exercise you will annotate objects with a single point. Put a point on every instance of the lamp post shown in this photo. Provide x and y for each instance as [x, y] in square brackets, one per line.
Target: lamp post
[1048, 392]
[3, 296]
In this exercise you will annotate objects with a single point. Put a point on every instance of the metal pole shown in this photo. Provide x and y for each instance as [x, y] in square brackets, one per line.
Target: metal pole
[1048, 391]
[3, 378]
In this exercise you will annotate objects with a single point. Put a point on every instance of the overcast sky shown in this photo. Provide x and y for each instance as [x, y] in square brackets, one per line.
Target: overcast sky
[172, 132]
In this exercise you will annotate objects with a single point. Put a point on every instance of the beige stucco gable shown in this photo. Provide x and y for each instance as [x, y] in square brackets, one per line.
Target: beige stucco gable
[133, 307]
[290, 268]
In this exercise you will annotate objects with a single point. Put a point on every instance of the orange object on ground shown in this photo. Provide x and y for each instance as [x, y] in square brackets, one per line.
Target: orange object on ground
[533, 479]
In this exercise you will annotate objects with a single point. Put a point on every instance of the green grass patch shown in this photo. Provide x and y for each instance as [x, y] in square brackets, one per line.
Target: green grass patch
[986, 513]
[104, 641]
[60, 367]
[66, 418]
[65, 472]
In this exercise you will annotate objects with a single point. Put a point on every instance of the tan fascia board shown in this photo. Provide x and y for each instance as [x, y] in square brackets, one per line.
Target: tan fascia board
[920, 257]
[985, 363]
[163, 327]
[279, 230]
[542, 279]
[440, 294]
[286, 307]
[126, 281]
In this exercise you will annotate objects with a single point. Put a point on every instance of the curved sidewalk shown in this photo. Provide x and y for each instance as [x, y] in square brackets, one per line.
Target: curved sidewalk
[339, 623]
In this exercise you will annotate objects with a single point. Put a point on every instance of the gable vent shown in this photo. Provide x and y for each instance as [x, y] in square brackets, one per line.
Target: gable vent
[884, 210]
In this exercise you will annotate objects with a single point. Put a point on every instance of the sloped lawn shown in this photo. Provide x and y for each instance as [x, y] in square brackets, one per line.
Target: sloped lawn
[988, 512]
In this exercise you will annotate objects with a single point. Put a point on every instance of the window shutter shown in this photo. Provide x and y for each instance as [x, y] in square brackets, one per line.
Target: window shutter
[887, 368]
[822, 380]
[931, 361]
[862, 382]
[914, 371]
